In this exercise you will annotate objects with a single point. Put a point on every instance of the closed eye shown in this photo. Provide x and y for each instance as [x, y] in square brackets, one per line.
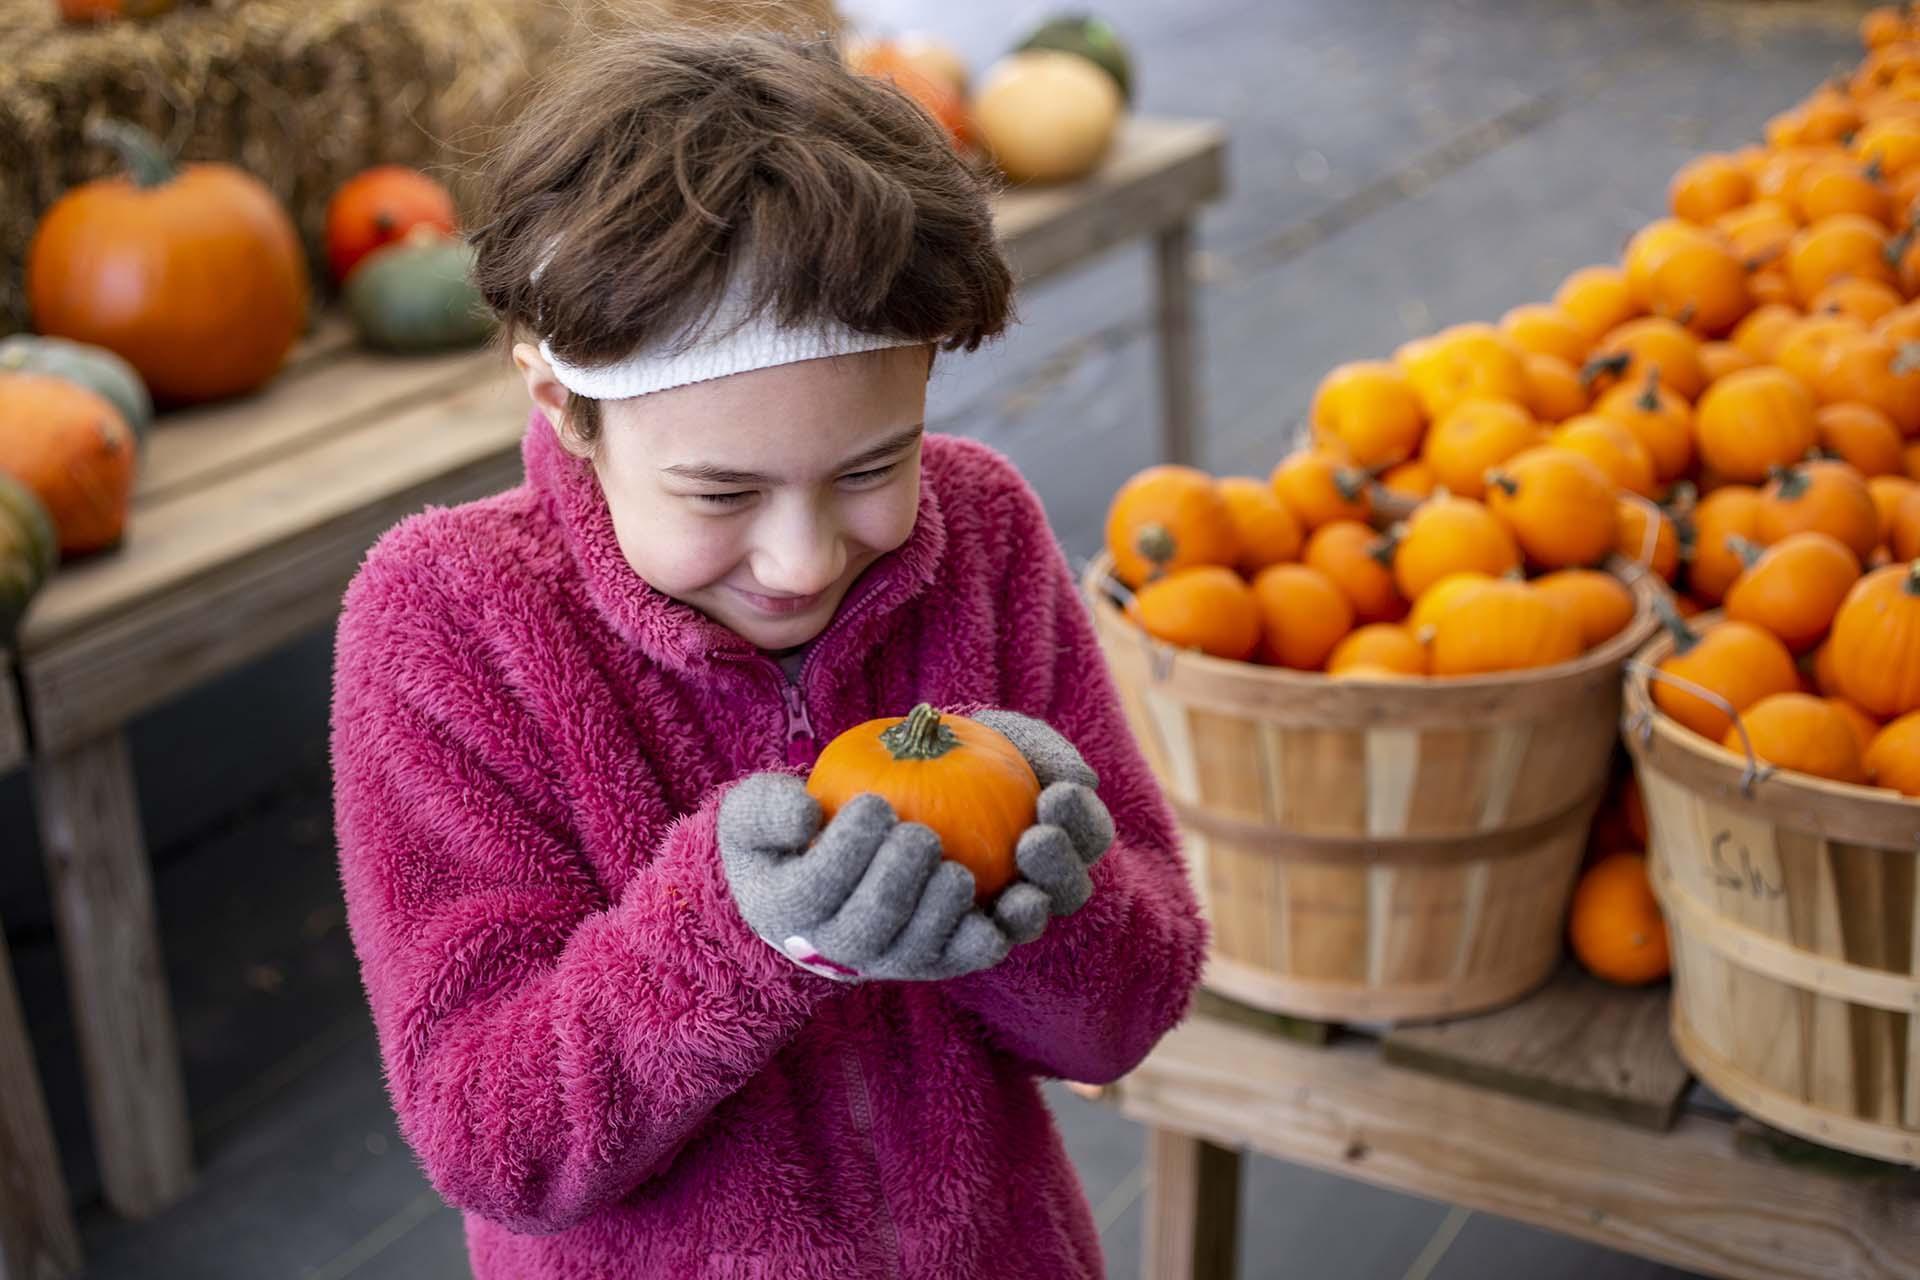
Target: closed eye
[871, 474]
[722, 500]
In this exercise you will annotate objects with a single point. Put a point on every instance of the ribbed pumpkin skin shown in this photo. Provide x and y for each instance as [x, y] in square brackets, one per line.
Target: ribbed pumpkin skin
[74, 451]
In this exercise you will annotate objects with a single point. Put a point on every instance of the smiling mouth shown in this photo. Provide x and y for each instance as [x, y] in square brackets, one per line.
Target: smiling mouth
[778, 606]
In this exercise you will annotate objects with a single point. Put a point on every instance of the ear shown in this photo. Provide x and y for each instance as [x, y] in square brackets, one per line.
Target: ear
[548, 395]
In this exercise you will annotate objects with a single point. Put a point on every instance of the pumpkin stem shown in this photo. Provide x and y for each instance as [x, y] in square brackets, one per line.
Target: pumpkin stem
[1790, 482]
[1382, 548]
[1685, 315]
[1873, 172]
[1349, 482]
[1498, 479]
[1906, 359]
[1649, 401]
[1615, 364]
[139, 151]
[1912, 584]
[1155, 542]
[1746, 550]
[1897, 247]
[920, 736]
[1684, 636]
[1682, 498]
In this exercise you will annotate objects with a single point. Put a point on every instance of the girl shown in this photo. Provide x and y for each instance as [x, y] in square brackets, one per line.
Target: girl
[642, 1013]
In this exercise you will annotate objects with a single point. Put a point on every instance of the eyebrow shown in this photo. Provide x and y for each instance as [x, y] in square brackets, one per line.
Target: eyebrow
[709, 473]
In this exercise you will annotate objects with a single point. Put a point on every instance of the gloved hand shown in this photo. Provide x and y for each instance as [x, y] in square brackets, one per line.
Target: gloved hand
[870, 897]
[1071, 831]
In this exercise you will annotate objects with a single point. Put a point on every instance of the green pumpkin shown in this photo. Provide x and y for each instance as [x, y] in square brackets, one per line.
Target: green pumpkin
[1092, 39]
[95, 368]
[28, 552]
[417, 294]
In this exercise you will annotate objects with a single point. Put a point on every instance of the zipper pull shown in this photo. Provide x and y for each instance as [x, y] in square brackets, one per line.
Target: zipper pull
[800, 744]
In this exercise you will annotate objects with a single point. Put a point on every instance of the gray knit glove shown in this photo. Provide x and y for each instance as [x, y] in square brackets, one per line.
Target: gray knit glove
[868, 896]
[1071, 831]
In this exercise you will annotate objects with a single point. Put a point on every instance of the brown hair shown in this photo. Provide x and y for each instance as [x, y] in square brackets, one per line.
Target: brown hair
[644, 161]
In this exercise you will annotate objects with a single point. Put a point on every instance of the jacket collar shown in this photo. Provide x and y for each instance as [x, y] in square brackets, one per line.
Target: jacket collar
[667, 631]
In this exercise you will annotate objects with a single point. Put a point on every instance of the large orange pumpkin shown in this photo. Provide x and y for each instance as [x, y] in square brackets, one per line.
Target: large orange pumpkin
[379, 206]
[1303, 615]
[1615, 924]
[955, 775]
[1737, 661]
[1502, 626]
[1561, 510]
[1794, 587]
[1800, 732]
[1753, 421]
[1824, 497]
[72, 448]
[1168, 518]
[1876, 641]
[1368, 408]
[1448, 535]
[195, 276]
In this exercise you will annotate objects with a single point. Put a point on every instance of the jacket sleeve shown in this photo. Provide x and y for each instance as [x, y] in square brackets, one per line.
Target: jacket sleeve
[1088, 999]
[546, 1049]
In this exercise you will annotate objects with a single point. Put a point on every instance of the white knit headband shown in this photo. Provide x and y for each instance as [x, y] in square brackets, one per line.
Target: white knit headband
[729, 342]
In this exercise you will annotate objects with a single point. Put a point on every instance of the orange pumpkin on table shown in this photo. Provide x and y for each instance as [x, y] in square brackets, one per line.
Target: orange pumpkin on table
[1168, 518]
[194, 275]
[74, 451]
[379, 206]
[967, 782]
[1615, 924]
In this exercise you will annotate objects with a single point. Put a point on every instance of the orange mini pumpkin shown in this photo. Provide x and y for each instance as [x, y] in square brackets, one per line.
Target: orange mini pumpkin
[1411, 479]
[1320, 489]
[1883, 26]
[1832, 187]
[1824, 497]
[1889, 492]
[1876, 641]
[1379, 645]
[1554, 388]
[1804, 349]
[1656, 343]
[1759, 232]
[1868, 301]
[1891, 145]
[1264, 530]
[1862, 437]
[1449, 535]
[1763, 329]
[1709, 186]
[1659, 418]
[1600, 603]
[1502, 626]
[1465, 362]
[1561, 510]
[1753, 421]
[1738, 661]
[380, 206]
[1303, 615]
[1610, 446]
[1648, 536]
[1168, 518]
[1800, 732]
[1477, 435]
[1794, 587]
[1872, 369]
[1865, 727]
[1597, 299]
[1719, 359]
[1893, 757]
[1615, 924]
[1692, 277]
[1726, 513]
[74, 451]
[965, 781]
[1208, 608]
[1368, 408]
[1440, 597]
[1544, 330]
[1357, 560]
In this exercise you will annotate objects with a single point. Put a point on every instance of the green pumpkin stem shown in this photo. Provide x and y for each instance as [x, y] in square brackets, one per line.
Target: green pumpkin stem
[1684, 636]
[1790, 482]
[1749, 552]
[147, 164]
[1155, 544]
[1912, 584]
[1498, 479]
[1906, 359]
[1615, 364]
[1649, 401]
[1383, 548]
[1350, 482]
[920, 736]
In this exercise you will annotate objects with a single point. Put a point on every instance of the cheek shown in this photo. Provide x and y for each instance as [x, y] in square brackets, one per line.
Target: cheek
[883, 520]
[674, 551]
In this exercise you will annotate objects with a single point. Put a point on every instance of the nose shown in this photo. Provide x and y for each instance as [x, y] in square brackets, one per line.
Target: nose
[799, 550]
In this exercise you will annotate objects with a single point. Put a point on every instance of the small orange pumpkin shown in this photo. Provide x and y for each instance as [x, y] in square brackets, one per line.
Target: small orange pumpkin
[1883, 26]
[1862, 437]
[1903, 535]
[1264, 530]
[1439, 598]
[1872, 369]
[1477, 435]
[1888, 494]
[1412, 479]
[74, 451]
[1168, 518]
[1695, 278]
[1648, 536]
[1865, 728]
[1876, 641]
[1825, 678]
[1764, 328]
[1610, 446]
[1831, 187]
[1759, 232]
[1794, 587]
[1600, 603]
[1659, 418]
[1541, 329]
[1626, 354]
[1709, 186]
[1357, 561]
[1753, 421]
[1379, 645]
[1208, 608]
[1303, 615]
[1368, 408]
[1465, 362]
[1320, 489]
[1821, 496]
[1615, 925]
[1868, 301]
[1554, 389]
[1449, 535]
[1726, 513]
[1736, 660]
[1597, 299]
[1804, 349]
[1893, 757]
[1719, 359]
[955, 775]
[1891, 145]
[1800, 732]
[1561, 510]
[1843, 245]
[379, 206]
[1502, 626]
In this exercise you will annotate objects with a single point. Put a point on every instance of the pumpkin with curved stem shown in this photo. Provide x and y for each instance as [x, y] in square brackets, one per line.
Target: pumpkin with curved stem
[74, 451]
[1648, 536]
[1597, 299]
[1303, 615]
[1794, 587]
[1476, 436]
[1893, 145]
[1369, 409]
[1600, 603]
[1753, 421]
[1800, 732]
[1862, 437]
[1264, 530]
[1821, 497]
[1168, 518]
[1610, 446]
[195, 275]
[1843, 245]
[1554, 389]
[1357, 560]
[1626, 354]
[1893, 757]
[1560, 509]
[1446, 536]
[379, 206]
[1726, 513]
[1659, 418]
[1379, 646]
[1876, 641]
[1889, 493]
[1502, 625]
[1207, 607]
[1738, 661]
[1763, 329]
[1543, 330]
[967, 782]
[1465, 362]
[1615, 924]
[1319, 489]
[1709, 186]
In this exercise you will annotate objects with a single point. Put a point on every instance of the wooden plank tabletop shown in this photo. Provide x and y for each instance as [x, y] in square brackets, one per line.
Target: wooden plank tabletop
[1689, 1197]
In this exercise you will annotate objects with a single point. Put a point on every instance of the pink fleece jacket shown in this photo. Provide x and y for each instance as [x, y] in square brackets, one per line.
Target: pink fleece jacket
[588, 1050]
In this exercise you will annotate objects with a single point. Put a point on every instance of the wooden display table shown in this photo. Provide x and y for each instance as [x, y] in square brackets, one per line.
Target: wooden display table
[1704, 1193]
[249, 520]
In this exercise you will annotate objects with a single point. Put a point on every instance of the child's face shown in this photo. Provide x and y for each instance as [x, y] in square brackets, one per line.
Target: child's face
[759, 498]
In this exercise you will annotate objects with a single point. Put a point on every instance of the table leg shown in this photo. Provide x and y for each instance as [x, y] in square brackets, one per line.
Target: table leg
[37, 1238]
[1179, 381]
[1193, 1208]
[103, 905]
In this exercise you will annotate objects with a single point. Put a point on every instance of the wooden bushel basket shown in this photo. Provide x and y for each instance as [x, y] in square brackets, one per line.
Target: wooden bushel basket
[1791, 907]
[1374, 850]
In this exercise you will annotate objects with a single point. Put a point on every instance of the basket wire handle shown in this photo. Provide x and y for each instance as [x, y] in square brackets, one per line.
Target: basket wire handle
[1159, 654]
[1757, 770]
